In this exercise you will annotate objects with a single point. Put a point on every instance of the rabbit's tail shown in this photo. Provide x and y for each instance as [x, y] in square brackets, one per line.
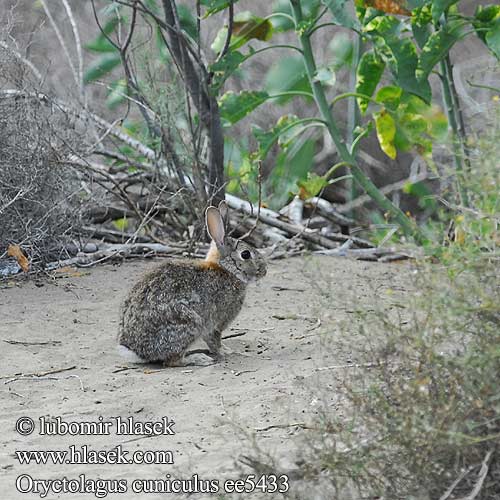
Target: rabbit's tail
[130, 355]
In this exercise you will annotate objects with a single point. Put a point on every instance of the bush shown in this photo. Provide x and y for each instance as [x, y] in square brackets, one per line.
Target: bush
[38, 192]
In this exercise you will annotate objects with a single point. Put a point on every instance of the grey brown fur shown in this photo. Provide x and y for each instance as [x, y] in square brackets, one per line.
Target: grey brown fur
[182, 300]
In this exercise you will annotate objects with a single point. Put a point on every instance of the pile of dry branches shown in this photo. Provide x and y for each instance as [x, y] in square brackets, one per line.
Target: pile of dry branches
[38, 195]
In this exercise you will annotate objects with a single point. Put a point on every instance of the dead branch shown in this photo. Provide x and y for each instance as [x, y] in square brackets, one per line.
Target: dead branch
[23, 343]
[39, 374]
[115, 251]
[455, 483]
[294, 211]
[301, 425]
[270, 217]
[329, 212]
[267, 216]
[113, 235]
[352, 365]
[259, 201]
[483, 473]
[113, 129]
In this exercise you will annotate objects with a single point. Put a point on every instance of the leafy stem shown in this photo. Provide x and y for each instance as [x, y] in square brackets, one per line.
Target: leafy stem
[321, 101]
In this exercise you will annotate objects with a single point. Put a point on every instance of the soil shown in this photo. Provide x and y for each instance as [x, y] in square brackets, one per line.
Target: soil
[59, 359]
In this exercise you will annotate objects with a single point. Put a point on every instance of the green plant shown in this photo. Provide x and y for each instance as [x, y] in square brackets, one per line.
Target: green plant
[404, 44]
[406, 49]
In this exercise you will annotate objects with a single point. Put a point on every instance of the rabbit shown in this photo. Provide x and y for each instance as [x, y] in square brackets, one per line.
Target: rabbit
[182, 300]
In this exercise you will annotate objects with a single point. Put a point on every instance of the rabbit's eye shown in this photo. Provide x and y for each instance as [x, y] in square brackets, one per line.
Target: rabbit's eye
[245, 255]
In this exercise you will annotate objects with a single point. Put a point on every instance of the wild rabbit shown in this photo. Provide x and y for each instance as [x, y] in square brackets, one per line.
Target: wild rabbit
[182, 300]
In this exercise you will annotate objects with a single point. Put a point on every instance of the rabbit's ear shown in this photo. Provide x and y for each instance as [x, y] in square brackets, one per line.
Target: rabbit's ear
[224, 213]
[215, 225]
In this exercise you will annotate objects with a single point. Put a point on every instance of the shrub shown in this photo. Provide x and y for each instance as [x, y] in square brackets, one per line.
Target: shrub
[38, 192]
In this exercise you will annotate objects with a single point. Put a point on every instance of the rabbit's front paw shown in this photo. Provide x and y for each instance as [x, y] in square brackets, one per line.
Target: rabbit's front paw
[197, 359]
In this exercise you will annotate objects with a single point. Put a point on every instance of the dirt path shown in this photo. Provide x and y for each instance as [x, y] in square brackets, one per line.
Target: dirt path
[74, 318]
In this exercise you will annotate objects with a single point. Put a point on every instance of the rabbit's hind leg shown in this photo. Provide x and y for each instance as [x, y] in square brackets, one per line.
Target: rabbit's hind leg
[174, 343]
[213, 341]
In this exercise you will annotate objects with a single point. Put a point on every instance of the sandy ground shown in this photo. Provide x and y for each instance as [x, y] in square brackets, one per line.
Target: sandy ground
[266, 382]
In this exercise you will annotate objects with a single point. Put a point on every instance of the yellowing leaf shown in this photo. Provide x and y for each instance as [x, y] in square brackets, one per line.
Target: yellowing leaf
[311, 186]
[386, 132]
[16, 252]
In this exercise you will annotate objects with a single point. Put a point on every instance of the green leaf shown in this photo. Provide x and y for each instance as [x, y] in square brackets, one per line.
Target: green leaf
[414, 126]
[432, 113]
[485, 17]
[118, 94]
[423, 193]
[233, 107]
[437, 124]
[386, 132]
[341, 48]
[439, 7]
[341, 13]
[406, 57]
[421, 20]
[390, 96]
[399, 53]
[368, 74]
[487, 13]
[213, 6]
[224, 68]
[418, 125]
[246, 27]
[486, 23]
[285, 75]
[266, 139]
[101, 67]
[289, 167]
[384, 26]
[311, 186]
[121, 224]
[187, 21]
[219, 40]
[101, 43]
[436, 48]
[493, 39]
